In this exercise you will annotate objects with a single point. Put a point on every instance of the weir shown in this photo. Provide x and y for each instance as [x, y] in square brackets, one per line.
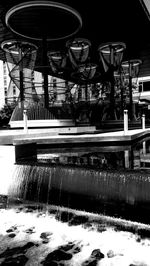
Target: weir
[76, 206]
[120, 194]
[112, 180]
[97, 181]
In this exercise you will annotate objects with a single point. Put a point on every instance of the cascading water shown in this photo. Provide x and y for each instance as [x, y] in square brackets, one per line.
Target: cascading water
[43, 232]
[120, 194]
[61, 236]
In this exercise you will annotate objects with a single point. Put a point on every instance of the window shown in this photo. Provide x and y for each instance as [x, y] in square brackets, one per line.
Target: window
[4, 69]
[5, 91]
[146, 86]
[14, 90]
[5, 81]
[54, 83]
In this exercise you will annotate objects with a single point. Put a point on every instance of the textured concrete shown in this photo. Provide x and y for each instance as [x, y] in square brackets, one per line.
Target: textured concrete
[110, 137]
[7, 137]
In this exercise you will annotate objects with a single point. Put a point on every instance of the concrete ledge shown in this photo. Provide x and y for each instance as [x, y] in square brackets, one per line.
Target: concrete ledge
[111, 137]
[79, 129]
[42, 123]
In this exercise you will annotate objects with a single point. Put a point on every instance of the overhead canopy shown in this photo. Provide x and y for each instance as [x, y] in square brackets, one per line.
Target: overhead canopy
[126, 21]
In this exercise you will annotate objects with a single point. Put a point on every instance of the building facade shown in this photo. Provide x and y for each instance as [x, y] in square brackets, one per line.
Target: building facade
[8, 90]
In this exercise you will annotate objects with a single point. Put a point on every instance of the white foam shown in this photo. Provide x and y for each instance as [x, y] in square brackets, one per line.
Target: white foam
[124, 246]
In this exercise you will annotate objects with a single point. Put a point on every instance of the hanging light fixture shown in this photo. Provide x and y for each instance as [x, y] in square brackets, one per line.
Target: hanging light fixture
[131, 70]
[87, 71]
[21, 57]
[57, 61]
[78, 51]
[111, 54]
[131, 67]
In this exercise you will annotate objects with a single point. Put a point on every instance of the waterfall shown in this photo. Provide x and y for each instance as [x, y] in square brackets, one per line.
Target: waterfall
[113, 192]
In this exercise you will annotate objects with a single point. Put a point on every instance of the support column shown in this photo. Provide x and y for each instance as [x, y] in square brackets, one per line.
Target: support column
[126, 159]
[25, 119]
[131, 100]
[112, 92]
[143, 122]
[125, 121]
[112, 99]
[21, 80]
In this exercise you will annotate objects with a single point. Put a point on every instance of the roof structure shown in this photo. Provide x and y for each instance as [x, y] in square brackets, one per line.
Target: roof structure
[103, 21]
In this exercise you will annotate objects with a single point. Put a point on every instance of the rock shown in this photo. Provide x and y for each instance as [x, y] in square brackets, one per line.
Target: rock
[12, 235]
[71, 247]
[96, 253]
[56, 256]
[45, 241]
[19, 260]
[9, 252]
[110, 254]
[11, 229]
[45, 235]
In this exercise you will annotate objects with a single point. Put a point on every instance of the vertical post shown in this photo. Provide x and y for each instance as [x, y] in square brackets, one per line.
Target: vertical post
[125, 121]
[112, 98]
[122, 90]
[45, 75]
[121, 108]
[144, 147]
[130, 92]
[21, 79]
[126, 159]
[25, 119]
[143, 122]
[144, 153]
[111, 56]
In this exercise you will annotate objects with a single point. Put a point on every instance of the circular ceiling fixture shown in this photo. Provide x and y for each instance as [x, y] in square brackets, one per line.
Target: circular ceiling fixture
[43, 19]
